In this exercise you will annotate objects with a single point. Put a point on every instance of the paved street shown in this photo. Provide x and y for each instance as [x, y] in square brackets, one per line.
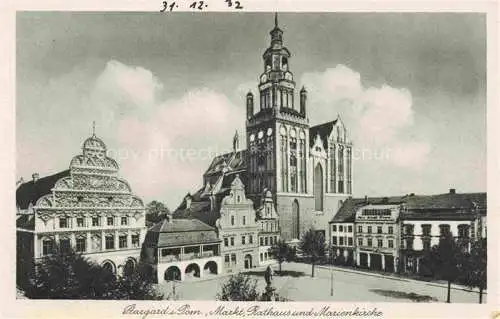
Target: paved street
[347, 287]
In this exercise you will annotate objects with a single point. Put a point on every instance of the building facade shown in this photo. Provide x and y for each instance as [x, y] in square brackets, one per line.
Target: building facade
[238, 229]
[88, 208]
[180, 249]
[269, 230]
[378, 236]
[427, 219]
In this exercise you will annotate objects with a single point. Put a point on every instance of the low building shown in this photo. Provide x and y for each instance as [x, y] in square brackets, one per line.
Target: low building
[238, 229]
[179, 249]
[269, 233]
[378, 236]
[342, 247]
[429, 218]
[88, 208]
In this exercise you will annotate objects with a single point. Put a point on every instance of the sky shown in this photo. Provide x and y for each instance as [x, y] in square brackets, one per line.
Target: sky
[167, 93]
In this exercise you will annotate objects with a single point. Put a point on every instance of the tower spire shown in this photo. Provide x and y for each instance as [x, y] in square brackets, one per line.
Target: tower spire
[276, 19]
[93, 128]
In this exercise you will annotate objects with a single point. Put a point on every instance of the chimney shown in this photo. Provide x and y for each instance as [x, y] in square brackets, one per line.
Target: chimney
[453, 191]
[366, 199]
[35, 177]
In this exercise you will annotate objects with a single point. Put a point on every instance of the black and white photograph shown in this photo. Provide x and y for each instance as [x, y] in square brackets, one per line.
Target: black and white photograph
[251, 156]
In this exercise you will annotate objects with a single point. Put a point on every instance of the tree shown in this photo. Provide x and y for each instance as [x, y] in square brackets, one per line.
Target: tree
[239, 288]
[446, 261]
[69, 275]
[475, 267]
[312, 244]
[281, 252]
[156, 211]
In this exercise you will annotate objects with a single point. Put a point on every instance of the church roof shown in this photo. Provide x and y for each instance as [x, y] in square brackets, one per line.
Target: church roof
[180, 232]
[235, 161]
[29, 192]
[324, 130]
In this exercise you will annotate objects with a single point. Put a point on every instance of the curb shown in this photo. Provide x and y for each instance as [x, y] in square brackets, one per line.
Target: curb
[453, 286]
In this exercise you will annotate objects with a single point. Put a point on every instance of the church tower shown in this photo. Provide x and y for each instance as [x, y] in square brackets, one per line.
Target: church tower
[278, 130]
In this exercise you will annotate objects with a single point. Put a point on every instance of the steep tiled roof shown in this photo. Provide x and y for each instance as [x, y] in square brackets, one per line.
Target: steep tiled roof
[31, 191]
[234, 161]
[180, 232]
[26, 221]
[323, 130]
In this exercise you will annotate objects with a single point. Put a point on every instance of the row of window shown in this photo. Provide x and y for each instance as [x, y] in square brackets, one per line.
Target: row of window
[390, 229]
[342, 228]
[444, 229]
[342, 241]
[230, 240]
[264, 256]
[229, 260]
[65, 222]
[244, 219]
[48, 245]
[268, 240]
[269, 226]
[379, 243]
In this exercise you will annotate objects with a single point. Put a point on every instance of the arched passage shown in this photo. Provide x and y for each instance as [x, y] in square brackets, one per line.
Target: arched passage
[318, 188]
[295, 219]
[172, 273]
[129, 266]
[193, 270]
[211, 267]
[109, 265]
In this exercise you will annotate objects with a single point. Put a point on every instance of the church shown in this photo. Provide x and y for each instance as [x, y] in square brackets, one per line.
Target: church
[306, 169]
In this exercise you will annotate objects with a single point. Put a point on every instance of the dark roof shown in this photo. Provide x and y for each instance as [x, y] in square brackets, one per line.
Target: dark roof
[324, 130]
[236, 161]
[31, 191]
[180, 232]
[25, 221]
[441, 206]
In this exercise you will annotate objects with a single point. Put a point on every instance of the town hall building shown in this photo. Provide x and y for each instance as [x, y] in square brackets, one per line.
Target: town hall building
[307, 169]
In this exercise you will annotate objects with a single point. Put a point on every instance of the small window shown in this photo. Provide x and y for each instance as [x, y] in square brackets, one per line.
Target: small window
[232, 220]
[341, 241]
[334, 240]
[81, 243]
[390, 243]
[243, 240]
[349, 229]
[135, 241]
[341, 228]
[360, 229]
[64, 245]
[226, 241]
[261, 241]
[250, 239]
[79, 222]
[360, 241]
[110, 221]
[334, 227]
[124, 221]
[369, 242]
[233, 259]
[266, 241]
[391, 230]
[244, 220]
[47, 246]
[122, 241]
[379, 229]
[349, 241]
[369, 229]
[110, 242]
[95, 221]
[63, 222]
[232, 241]
[380, 243]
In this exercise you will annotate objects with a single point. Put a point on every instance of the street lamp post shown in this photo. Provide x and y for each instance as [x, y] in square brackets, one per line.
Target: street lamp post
[331, 275]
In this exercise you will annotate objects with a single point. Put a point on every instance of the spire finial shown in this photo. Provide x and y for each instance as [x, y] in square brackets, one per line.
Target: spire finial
[93, 128]
[276, 19]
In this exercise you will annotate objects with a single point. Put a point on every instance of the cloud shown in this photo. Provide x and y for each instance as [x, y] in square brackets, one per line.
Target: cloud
[377, 118]
[164, 146]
